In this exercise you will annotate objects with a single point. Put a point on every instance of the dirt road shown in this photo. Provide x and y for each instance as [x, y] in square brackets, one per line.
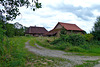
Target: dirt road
[61, 54]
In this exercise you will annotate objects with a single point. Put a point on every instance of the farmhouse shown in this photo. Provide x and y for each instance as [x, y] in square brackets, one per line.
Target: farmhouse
[36, 31]
[70, 28]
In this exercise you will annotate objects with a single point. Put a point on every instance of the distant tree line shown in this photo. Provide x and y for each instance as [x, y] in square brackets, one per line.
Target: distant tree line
[9, 10]
[15, 29]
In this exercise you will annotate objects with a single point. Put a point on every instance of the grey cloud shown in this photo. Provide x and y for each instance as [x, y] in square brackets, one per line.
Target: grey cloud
[96, 7]
[81, 12]
[84, 13]
[41, 14]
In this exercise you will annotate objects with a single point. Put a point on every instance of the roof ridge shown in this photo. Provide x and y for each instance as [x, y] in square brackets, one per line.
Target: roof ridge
[36, 26]
[74, 26]
[66, 23]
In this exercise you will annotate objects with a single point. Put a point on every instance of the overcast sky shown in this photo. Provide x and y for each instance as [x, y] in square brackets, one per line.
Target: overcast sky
[80, 12]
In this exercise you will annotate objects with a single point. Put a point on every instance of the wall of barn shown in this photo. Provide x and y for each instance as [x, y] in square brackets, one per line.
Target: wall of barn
[58, 26]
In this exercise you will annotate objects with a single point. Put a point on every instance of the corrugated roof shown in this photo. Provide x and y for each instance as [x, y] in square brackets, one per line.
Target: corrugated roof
[34, 29]
[69, 26]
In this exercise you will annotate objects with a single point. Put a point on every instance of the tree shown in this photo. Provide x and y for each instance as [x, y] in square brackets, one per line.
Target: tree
[63, 31]
[9, 11]
[9, 29]
[96, 29]
[19, 29]
[9, 8]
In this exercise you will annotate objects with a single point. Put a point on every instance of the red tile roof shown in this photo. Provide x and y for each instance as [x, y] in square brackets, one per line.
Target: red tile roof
[34, 29]
[69, 26]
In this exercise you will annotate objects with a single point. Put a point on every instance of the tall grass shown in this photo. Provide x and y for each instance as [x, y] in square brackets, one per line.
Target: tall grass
[13, 52]
[71, 43]
[16, 55]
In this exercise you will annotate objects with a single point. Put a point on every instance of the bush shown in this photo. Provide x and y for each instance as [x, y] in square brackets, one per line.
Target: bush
[85, 46]
[68, 40]
[61, 45]
[56, 41]
[75, 39]
[28, 35]
[88, 37]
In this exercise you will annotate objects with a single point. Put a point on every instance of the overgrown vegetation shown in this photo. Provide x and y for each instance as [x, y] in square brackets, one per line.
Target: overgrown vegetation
[86, 43]
[14, 54]
[83, 44]
[15, 29]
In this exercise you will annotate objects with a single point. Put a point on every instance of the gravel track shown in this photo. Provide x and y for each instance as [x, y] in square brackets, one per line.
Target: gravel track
[61, 54]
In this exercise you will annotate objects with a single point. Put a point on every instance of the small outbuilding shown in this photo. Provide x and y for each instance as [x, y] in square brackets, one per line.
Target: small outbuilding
[36, 31]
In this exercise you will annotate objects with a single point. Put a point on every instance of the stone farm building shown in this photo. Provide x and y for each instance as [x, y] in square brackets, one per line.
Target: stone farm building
[36, 31]
[70, 28]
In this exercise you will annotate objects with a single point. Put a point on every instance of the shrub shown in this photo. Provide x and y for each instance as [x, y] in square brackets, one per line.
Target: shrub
[61, 45]
[56, 41]
[63, 32]
[75, 39]
[88, 37]
[66, 40]
[28, 35]
[95, 42]
[85, 46]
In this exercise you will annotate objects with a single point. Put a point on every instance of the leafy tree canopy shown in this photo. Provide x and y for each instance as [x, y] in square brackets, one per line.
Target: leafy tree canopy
[63, 31]
[9, 8]
[97, 25]
[96, 29]
[9, 11]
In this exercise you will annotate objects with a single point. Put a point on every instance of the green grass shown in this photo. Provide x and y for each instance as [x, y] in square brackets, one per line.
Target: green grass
[84, 52]
[88, 64]
[93, 51]
[16, 55]
[14, 52]
[45, 41]
[89, 49]
[32, 41]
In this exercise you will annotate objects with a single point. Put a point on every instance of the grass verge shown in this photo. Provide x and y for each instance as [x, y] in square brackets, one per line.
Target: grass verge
[88, 49]
[88, 64]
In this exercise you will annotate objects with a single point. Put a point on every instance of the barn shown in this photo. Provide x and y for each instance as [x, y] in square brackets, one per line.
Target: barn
[70, 28]
[36, 31]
